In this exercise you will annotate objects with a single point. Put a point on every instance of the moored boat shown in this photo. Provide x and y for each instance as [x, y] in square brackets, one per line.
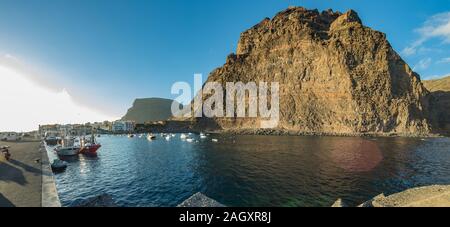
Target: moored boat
[89, 148]
[151, 137]
[58, 165]
[68, 147]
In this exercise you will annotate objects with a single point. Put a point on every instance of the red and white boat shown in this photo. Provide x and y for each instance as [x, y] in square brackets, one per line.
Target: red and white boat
[89, 148]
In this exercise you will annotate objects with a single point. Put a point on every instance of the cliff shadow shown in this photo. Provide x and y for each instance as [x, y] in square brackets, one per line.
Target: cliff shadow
[440, 112]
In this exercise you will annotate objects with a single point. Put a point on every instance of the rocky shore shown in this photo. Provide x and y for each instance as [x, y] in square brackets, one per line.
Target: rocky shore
[429, 196]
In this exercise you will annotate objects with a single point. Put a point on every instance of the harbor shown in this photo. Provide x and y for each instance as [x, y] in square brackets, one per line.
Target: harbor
[190, 169]
[132, 170]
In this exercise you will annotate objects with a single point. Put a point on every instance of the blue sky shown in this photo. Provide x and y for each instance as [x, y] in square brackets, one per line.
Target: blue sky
[107, 53]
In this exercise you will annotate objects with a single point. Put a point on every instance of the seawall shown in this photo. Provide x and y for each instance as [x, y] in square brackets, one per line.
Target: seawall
[50, 196]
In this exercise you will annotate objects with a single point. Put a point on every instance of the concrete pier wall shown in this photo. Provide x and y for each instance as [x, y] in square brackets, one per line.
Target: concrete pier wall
[50, 196]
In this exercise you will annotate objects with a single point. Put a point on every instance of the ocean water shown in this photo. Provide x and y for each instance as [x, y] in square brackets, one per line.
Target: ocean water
[254, 170]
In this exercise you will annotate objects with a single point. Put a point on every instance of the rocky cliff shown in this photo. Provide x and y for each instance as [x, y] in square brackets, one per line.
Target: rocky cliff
[336, 76]
[440, 104]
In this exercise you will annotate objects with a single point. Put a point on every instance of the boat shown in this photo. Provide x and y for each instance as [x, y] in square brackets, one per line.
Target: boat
[202, 136]
[67, 151]
[190, 140]
[151, 137]
[215, 140]
[130, 135]
[168, 137]
[51, 139]
[69, 147]
[58, 165]
[89, 147]
[183, 136]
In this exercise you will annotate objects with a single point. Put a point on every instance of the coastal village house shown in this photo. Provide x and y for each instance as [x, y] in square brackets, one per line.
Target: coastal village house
[10, 136]
[123, 126]
[74, 129]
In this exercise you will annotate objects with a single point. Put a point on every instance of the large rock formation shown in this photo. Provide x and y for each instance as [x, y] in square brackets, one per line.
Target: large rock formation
[440, 103]
[149, 110]
[336, 76]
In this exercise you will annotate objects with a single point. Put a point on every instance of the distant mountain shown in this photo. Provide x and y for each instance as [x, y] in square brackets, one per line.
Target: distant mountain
[442, 84]
[149, 109]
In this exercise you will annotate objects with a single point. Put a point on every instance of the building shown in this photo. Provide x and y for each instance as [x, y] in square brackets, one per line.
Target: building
[123, 126]
[10, 136]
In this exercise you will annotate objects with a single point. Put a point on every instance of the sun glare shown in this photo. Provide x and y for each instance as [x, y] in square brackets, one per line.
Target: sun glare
[24, 105]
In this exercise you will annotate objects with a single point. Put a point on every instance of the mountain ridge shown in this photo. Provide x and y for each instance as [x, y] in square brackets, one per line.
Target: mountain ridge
[149, 110]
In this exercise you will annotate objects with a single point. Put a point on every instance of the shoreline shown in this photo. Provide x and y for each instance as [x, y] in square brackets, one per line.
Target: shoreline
[270, 132]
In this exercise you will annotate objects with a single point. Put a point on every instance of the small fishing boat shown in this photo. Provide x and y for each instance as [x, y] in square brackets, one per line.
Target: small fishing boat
[215, 140]
[202, 136]
[130, 135]
[151, 137]
[168, 137]
[183, 136]
[190, 140]
[67, 151]
[69, 147]
[89, 148]
[58, 165]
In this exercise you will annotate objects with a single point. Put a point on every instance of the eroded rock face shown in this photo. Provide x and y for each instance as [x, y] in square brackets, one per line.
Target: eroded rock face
[440, 104]
[336, 75]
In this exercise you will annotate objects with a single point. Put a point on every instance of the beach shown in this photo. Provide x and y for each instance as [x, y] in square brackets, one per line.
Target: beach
[21, 176]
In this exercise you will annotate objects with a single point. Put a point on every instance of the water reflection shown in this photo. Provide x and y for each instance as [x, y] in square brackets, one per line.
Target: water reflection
[356, 154]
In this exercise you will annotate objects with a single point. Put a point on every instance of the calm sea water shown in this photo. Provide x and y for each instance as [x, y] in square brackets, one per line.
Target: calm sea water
[255, 170]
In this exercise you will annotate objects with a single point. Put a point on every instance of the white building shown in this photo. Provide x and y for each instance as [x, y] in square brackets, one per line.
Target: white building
[10, 136]
[123, 126]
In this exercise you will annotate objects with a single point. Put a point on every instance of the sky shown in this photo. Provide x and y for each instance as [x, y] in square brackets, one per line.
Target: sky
[99, 55]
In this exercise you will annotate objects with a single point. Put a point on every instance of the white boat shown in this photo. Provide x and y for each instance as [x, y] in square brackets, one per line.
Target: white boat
[168, 137]
[215, 140]
[183, 136]
[202, 136]
[190, 140]
[69, 147]
[67, 151]
[151, 137]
